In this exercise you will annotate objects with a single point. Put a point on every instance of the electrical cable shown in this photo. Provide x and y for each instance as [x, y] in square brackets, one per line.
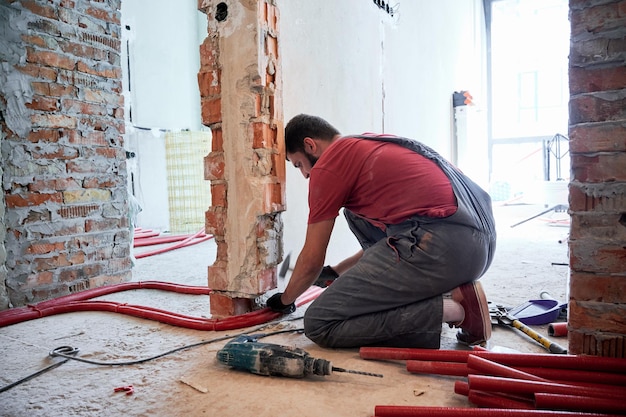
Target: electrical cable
[68, 352]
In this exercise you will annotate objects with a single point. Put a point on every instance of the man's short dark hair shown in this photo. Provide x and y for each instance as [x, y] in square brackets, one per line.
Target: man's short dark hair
[304, 125]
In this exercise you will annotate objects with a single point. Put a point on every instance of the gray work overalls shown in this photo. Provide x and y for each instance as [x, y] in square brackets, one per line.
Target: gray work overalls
[393, 295]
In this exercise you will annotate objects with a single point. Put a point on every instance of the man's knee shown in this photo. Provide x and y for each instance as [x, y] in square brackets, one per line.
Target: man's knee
[316, 330]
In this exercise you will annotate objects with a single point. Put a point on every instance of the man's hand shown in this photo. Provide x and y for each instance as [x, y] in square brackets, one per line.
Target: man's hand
[326, 277]
[275, 303]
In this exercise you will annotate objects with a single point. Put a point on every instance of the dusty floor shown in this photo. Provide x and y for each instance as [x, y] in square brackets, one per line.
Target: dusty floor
[529, 260]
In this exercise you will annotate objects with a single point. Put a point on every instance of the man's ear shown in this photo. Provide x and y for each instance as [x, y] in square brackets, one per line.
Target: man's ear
[309, 145]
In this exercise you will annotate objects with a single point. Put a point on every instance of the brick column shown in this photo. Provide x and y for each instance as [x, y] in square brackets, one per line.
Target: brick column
[597, 305]
[64, 177]
[240, 88]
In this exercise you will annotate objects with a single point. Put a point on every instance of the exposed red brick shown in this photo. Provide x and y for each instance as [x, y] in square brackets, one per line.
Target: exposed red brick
[211, 109]
[103, 15]
[35, 40]
[49, 58]
[214, 166]
[597, 19]
[597, 317]
[217, 141]
[218, 276]
[88, 138]
[44, 247]
[69, 212]
[218, 195]
[44, 135]
[222, 305]
[601, 256]
[101, 70]
[222, 250]
[43, 103]
[49, 185]
[209, 83]
[590, 80]
[39, 9]
[97, 225]
[209, 54]
[605, 137]
[267, 280]
[599, 167]
[83, 51]
[31, 199]
[215, 221]
[593, 108]
[274, 200]
[39, 279]
[38, 71]
[593, 287]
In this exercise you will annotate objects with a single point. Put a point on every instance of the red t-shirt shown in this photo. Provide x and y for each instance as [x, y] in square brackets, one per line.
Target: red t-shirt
[382, 182]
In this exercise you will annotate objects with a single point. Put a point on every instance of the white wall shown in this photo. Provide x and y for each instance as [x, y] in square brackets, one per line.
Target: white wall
[163, 38]
[339, 56]
[164, 60]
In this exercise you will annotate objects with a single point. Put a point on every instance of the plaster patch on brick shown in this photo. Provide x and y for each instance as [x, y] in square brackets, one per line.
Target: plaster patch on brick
[15, 86]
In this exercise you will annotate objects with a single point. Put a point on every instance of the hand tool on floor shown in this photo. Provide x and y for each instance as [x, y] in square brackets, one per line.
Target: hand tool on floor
[502, 316]
[247, 354]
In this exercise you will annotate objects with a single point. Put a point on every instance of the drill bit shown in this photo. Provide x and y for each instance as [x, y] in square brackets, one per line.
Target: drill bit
[350, 371]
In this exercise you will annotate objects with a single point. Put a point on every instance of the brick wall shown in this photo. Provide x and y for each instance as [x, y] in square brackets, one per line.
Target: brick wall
[64, 178]
[597, 307]
[240, 89]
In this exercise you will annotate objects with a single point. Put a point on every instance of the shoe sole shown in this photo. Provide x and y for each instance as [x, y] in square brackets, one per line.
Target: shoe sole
[484, 315]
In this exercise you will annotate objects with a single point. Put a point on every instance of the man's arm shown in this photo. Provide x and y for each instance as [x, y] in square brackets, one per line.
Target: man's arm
[347, 263]
[310, 261]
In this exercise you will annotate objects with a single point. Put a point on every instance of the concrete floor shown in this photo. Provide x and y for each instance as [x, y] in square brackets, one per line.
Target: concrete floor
[529, 260]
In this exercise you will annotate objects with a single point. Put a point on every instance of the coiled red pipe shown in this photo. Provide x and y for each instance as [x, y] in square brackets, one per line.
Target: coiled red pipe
[412, 411]
[76, 302]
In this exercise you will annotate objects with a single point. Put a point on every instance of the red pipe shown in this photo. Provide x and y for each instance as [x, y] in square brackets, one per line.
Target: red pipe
[75, 302]
[487, 367]
[492, 400]
[411, 411]
[574, 376]
[577, 403]
[461, 388]
[557, 329]
[519, 386]
[581, 362]
[390, 353]
[437, 368]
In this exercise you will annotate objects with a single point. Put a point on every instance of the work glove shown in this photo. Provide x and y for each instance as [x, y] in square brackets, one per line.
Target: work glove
[326, 277]
[276, 305]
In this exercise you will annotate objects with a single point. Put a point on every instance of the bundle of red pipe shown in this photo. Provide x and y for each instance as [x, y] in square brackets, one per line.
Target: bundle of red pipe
[150, 238]
[515, 384]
